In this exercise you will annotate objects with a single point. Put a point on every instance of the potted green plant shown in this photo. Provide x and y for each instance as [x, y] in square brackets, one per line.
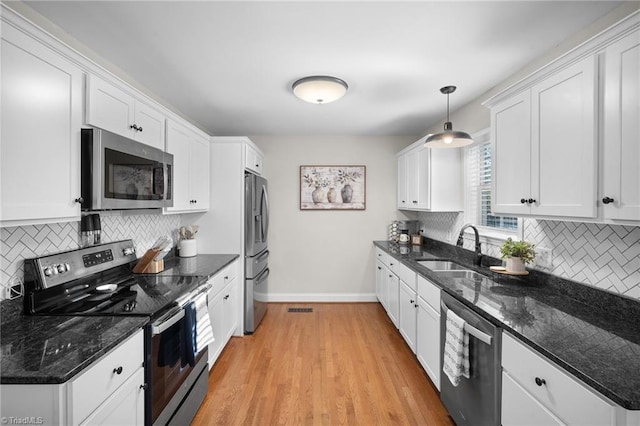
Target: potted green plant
[517, 253]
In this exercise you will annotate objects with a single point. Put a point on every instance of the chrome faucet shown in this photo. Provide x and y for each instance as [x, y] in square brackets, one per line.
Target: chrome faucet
[478, 256]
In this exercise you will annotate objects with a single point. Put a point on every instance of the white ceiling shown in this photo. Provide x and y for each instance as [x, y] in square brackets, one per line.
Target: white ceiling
[229, 66]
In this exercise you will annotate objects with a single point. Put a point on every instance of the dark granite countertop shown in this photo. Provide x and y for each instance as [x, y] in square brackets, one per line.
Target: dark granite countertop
[202, 265]
[53, 349]
[591, 333]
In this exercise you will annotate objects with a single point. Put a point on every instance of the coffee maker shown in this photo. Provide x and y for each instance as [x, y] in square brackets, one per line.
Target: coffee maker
[406, 228]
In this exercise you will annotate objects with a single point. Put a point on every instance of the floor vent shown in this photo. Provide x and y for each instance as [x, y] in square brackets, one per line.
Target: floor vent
[300, 310]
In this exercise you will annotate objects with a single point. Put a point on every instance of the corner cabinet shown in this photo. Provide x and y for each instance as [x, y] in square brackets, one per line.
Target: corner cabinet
[429, 179]
[111, 108]
[42, 96]
[565, 139]
[191, 168]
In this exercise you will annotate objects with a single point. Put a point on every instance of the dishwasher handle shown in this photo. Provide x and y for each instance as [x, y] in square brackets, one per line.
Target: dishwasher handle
[480, 335]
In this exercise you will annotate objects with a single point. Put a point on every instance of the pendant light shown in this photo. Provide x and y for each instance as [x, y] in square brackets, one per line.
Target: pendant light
[319, 89]
[449, 138]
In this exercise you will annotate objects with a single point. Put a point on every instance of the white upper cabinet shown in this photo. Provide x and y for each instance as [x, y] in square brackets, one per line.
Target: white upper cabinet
[620, 195]
[544, 145]
[111, 108]
[191, 168]
[40, 142]
[253, 160]
[511, 148]
[429, 179]
[566, 139]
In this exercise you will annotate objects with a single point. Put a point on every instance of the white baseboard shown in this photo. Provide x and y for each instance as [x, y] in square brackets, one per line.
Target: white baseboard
[322, 297]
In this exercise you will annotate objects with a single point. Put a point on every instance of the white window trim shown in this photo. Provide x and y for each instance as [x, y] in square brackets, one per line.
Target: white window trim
[488, 235]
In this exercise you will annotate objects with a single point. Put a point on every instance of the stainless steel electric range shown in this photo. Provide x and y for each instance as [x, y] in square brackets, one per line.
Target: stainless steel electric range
[97, 280]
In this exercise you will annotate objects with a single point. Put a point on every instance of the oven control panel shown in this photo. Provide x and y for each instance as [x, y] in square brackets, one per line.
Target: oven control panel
[97, 258]
[55, 269]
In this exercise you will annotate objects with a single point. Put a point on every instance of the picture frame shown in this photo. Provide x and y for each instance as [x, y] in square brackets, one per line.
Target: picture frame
[339, 187]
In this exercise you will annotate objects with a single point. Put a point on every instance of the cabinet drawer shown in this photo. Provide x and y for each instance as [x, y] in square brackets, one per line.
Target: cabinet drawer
[382, 256]
[406, 275]
[429, 292]
[519, 408]
[223, 278]
[569, 400]
[101, 379]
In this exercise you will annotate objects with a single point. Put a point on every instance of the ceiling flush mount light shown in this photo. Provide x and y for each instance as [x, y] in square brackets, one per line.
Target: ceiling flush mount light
[320, 89]
[449, 138]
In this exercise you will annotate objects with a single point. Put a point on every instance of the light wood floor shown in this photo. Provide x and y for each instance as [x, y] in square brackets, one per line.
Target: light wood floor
[344, 363]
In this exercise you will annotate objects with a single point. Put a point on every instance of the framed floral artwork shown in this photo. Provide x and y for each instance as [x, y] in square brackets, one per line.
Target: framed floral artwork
[333, 187]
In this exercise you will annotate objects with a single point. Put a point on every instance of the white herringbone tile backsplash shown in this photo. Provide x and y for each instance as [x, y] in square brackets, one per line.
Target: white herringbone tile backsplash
[604, 256]
[24, 242]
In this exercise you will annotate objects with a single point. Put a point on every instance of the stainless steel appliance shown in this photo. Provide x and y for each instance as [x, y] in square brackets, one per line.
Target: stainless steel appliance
[120, 173]
[476, 400]
[97, 281]
[256, 251]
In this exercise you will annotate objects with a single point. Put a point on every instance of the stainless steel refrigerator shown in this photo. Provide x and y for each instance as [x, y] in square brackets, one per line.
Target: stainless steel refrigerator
[256, 250]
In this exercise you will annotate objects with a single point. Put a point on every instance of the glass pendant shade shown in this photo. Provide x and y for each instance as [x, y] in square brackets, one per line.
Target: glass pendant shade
[449, 138]
[320, 89]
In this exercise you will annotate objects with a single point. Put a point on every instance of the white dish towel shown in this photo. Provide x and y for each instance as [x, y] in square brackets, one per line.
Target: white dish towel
[204, 331]
[456, 349]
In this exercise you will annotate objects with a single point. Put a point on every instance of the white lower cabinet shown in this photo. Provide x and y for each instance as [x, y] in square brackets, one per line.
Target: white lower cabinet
[222, 301]
[408, 314]
[393, 298]
[124, 407]
[428, 329]
[536, 392]
[380, 293]
[109, 392]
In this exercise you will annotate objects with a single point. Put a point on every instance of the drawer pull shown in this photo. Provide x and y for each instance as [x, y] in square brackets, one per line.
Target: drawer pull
[540, 382]
[144, 386]
[118, 370]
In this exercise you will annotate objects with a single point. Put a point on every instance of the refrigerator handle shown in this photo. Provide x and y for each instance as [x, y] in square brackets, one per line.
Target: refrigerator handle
[264, 210]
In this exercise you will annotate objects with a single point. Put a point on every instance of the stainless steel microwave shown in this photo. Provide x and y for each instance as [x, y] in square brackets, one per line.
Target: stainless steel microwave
[118, 173]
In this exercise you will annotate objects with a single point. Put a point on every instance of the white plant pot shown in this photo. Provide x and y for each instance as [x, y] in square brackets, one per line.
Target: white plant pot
[188, 248]
[515, 264]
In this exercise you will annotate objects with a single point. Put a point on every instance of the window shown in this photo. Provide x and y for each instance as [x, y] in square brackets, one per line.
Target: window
[478, 187]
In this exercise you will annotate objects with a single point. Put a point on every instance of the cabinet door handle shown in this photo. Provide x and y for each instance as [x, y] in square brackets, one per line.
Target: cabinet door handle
[540, 382]
[226, 297]
[144, 386]
[79, 200]
[140, 129]
[607, 200]
[523, 201]
[118, 370]
[531, 201]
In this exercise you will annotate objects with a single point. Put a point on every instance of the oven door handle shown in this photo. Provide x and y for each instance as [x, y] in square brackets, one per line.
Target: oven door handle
[164, 324]
[480, 335]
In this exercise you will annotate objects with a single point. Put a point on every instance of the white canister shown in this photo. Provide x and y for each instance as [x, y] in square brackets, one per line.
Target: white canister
[188, 248]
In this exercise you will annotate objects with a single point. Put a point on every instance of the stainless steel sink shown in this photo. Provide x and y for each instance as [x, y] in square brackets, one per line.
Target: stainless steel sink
[440, 265]
[460, 274]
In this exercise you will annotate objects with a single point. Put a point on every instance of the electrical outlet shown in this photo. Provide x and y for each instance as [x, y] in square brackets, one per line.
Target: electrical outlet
[13, 289]
[544, 257]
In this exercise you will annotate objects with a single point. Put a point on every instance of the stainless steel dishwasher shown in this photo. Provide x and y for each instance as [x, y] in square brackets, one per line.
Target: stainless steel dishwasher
[476, 400]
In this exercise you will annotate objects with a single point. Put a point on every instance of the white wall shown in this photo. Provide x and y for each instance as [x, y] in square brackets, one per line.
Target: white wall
[327, 255]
